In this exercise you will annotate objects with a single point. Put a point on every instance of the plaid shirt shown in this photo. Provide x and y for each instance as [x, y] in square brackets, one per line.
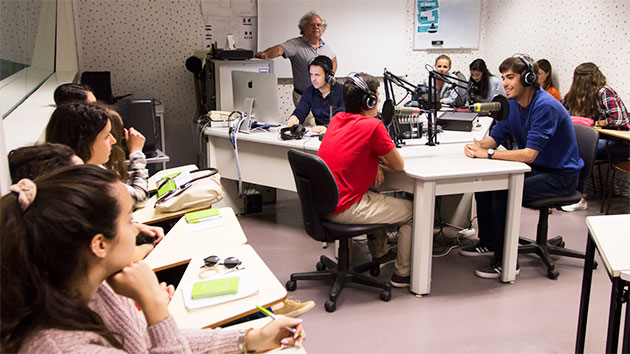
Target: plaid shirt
[612, 109]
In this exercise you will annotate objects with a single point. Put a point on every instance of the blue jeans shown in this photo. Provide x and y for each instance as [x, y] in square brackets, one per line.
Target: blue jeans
[491, 206]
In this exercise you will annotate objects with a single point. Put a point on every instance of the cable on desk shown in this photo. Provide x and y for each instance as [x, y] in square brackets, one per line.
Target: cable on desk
[234, 142]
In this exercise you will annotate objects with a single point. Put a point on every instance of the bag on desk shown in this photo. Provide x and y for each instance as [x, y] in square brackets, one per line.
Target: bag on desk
[203, 190]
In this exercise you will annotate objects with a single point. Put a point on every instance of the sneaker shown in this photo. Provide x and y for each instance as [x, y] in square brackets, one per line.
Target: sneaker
[442, 248]
[294, 308]
[493, 270]
[476, 250]
[399, 281]
[385, 259]
[577, 206]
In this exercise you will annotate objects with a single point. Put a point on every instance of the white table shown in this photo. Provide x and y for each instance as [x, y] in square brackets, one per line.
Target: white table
[445, 170]
[430, 171]
[271, 291]
[179, 245]
[609, 235]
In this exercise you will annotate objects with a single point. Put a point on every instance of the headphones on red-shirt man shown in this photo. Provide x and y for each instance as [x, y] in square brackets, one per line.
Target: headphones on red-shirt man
[369, 99]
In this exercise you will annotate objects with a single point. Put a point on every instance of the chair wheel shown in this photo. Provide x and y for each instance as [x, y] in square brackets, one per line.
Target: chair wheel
[291, 285]
[553, 274]
[386, 295]
[320, 266]
[561, 244]
[330, 306]
[595, 264]
[375, 271]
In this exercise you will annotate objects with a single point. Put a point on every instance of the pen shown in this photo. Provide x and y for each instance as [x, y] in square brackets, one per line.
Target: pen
[270, 314]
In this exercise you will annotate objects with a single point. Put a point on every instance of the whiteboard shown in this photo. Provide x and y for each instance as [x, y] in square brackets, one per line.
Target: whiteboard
[446, 24]
[366, 35]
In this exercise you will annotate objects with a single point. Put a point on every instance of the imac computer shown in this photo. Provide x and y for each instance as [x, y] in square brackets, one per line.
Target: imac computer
[256, 94]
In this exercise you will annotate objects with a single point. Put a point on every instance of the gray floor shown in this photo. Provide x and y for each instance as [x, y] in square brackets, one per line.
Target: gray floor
[463, 313]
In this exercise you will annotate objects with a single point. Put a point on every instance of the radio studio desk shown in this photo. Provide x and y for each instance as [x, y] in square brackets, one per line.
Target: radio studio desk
[430, 171]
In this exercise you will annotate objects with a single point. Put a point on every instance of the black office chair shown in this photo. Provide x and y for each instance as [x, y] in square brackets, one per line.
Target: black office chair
[587, 146]
[319, 196]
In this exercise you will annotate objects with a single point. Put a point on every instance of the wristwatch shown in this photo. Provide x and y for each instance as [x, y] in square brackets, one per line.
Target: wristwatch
[242, 340]
[490, 153]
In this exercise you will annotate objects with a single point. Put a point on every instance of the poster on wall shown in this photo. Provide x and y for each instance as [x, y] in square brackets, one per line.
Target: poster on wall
[447, 24]
[234, 18]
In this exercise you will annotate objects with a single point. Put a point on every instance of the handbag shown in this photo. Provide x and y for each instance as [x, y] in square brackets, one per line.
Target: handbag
[202, 190]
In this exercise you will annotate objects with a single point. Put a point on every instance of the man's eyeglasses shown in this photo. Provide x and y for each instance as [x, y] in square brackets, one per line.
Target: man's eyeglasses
[229, 262]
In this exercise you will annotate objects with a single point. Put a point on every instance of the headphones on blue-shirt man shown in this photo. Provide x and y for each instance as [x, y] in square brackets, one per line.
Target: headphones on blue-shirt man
[326, 64]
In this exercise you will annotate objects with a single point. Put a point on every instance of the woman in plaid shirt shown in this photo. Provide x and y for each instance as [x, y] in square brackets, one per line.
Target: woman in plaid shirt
[590, 97]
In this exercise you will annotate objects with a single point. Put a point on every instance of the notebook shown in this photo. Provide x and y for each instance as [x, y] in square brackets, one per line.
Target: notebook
[246, 287]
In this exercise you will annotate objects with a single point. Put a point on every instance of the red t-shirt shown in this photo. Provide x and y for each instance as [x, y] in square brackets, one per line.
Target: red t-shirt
[351, 148]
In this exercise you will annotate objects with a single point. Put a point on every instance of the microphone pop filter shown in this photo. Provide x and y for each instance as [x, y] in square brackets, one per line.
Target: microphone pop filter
[387, 112]
[501, 114]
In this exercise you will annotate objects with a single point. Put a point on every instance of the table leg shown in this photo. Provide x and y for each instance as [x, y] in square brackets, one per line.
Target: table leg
[614, 315]
[512, 227]
[626, 330]
[586, 294]
[422, 237]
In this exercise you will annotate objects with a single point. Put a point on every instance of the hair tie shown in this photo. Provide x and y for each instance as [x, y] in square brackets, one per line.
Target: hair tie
[26, 190]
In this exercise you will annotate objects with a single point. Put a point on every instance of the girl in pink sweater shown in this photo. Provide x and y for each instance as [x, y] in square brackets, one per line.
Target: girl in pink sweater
[67, 278]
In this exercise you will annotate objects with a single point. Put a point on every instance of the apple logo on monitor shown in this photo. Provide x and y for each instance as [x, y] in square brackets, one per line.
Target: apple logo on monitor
[250, 84]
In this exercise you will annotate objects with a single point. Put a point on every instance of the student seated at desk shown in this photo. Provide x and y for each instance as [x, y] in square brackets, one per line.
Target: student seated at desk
[484, 85]
[71, 92]
[35, 161]
[68, 280]
[545, 79]
[323, 97]
[352, 148]
[590, 97]
[447, 93]
[544, 135]
[88, 129]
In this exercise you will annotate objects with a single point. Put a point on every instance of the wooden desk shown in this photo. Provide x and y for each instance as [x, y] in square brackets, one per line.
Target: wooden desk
[158, 175]
[623, 134]
[271, 292]
[445, 170]
[609, 234]
[179, 245]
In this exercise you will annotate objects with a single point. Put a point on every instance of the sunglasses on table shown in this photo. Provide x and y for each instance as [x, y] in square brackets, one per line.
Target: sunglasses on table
[229, 262]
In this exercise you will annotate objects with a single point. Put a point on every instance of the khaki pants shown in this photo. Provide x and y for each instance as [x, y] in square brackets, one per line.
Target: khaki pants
[309, 121]
[376, 208]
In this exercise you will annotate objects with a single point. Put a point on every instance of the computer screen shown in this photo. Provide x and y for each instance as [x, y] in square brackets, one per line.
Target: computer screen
[263, 89]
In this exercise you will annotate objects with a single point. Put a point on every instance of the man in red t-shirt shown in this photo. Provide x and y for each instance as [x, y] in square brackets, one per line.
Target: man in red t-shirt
[352, 147]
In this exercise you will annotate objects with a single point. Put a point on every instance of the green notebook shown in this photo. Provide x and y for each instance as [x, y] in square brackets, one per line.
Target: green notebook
[215, 287]
[202, 215]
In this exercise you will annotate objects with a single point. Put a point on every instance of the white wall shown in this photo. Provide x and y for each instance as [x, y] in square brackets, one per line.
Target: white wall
[145, 43]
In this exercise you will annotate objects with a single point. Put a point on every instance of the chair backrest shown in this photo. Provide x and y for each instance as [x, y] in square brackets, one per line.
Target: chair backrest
[587, 138]
[317, 190]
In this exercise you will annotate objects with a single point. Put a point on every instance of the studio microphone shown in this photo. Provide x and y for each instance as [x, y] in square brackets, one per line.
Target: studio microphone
[406, 111]
[485, 107]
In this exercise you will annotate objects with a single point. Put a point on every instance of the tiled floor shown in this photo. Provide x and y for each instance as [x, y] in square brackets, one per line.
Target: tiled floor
[463, 313]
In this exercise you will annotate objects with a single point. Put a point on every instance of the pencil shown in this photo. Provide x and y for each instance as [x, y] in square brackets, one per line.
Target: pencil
[270, 314]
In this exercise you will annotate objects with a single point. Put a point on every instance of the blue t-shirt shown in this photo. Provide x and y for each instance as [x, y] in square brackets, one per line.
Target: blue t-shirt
[313, 101]
[545, 126]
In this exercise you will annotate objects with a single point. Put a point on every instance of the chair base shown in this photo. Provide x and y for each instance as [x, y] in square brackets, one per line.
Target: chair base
[330, 271]
[544, 250]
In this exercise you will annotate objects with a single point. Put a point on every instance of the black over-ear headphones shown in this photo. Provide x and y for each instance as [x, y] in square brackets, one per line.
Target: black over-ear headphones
[325, 63]
[294, 132]
[528, 77]
[369, 99]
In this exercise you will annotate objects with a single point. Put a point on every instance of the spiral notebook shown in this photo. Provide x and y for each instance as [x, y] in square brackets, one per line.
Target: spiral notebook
[246, 287]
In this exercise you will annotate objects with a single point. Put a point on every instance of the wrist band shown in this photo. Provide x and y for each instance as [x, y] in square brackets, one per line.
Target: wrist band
[242, 340]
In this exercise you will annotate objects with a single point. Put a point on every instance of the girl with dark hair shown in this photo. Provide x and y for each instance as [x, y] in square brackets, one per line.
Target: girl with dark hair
[544, 78]
[484, 85]
[84, 127]
[68, 280]
[590, 97]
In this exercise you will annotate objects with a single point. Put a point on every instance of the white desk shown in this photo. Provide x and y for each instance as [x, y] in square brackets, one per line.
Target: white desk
[179, 245]
[430, 171]
[445, 170]
[609, 235]
[271, 292]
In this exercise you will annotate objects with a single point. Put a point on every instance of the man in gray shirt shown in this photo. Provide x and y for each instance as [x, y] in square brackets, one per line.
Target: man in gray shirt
[300, 50]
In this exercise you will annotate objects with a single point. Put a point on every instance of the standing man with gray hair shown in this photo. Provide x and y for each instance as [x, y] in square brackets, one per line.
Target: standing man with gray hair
[300, 50]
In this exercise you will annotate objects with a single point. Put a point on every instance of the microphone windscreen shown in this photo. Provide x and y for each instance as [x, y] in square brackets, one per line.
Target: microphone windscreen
[505, 108]
[387, 112]
[193, 64]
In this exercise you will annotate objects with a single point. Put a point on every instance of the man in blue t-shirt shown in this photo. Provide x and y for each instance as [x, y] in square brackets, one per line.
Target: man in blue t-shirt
[324, 98]
[545, 140]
